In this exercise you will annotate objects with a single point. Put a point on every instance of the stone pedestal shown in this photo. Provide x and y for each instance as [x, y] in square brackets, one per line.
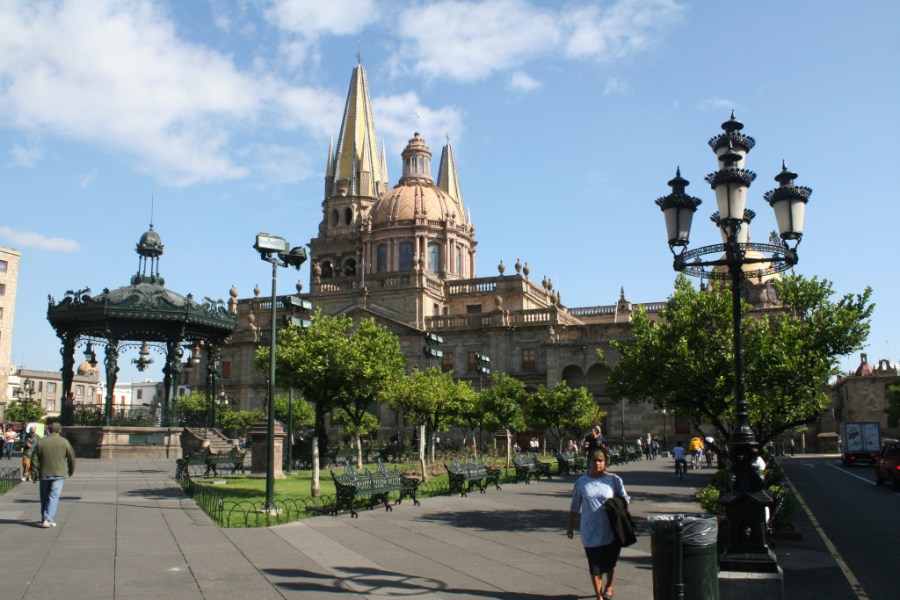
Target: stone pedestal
[259, 442]
[742, 585]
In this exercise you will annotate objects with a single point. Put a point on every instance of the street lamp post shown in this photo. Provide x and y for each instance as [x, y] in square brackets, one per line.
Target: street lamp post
[483, 366]
[746, 500]
[275, 250]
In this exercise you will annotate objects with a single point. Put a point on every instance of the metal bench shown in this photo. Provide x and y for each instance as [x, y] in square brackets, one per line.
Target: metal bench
[463, 476]
[377, 485]
[569, 462]
[527, 465]
[195, 464]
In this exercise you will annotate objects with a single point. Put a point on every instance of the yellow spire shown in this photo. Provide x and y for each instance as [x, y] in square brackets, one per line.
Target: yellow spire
[447, 179]
[356, 158]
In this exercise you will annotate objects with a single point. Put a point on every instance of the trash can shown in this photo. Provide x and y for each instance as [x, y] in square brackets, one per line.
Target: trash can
[700, 571]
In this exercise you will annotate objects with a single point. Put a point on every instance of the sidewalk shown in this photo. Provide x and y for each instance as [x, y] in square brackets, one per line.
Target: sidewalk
[127, 532]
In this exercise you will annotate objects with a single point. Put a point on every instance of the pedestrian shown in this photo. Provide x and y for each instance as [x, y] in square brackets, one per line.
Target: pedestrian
[593, 440]
[601, 547]
[792, 446]
[52, 461]
[654, 447]
[10, 438]
[28, 442]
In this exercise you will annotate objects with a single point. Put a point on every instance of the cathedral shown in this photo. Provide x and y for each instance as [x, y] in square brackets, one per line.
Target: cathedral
[406, 256]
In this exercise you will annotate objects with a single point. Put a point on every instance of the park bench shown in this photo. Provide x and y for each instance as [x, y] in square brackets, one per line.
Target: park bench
[527, 465]
[234, 458]
[377, 485]
[463, 476]
[194, 464]
[614, 456]
[632, 453]
[569, 462]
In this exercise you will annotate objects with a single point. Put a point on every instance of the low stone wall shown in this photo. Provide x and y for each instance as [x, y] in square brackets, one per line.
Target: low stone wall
[125, 442]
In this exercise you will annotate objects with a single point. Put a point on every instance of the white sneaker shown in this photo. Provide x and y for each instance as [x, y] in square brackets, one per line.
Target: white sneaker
[46, 524]
[52, 524]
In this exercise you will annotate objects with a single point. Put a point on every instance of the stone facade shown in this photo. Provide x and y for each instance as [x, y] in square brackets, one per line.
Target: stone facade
[863, 395]
[9, 283]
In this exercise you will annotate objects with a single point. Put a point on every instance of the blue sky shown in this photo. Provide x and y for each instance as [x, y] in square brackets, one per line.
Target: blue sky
[567, 120]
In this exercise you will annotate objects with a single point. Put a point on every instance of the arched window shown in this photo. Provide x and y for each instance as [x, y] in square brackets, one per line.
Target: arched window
[327, 270]
[334, 218]
[459, 261]
[434, 258]
[406, 254]
[595, 381]
[573, 376]
[348, 215]
[381, 258]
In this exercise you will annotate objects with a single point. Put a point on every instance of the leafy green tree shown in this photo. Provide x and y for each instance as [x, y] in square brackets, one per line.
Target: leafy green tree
[191, 409]
[302, 412]
[24, 412]
[315, 361]
[239, 422]
[503, 403]
[433, 401]
[893, 409]
[562, 410]
[374, 360]
[685, 360]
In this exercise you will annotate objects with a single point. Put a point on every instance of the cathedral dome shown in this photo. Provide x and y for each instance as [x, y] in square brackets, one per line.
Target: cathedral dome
[87, 369]
[416, 197]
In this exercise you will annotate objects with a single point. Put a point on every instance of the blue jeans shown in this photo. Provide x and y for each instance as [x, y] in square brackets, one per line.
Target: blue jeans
[9, 449]
[51, 488]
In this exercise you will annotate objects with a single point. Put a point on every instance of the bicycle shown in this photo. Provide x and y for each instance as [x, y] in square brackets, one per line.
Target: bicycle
[695, 459]
[680, 468]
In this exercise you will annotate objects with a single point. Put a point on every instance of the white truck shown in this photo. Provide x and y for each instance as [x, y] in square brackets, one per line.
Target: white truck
[860, 441]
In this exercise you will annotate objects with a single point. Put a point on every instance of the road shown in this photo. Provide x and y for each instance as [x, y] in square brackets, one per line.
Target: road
[859, 521]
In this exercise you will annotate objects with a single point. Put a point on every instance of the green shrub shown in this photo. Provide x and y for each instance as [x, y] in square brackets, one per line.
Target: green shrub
[709, 500]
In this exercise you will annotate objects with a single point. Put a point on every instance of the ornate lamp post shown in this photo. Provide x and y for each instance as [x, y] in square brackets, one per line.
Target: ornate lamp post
[274, 249]
[747, 499]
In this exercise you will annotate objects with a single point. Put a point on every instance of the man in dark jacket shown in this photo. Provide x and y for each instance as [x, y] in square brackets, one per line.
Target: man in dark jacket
[53, 460]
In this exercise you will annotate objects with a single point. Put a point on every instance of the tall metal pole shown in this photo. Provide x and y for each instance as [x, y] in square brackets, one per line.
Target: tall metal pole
[290, 431]
[270, 446]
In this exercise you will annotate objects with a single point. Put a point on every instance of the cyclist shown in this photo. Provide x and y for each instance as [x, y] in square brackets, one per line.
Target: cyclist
[678, 452]
[696, 449]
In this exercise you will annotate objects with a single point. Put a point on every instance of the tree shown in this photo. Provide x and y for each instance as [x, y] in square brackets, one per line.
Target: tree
[893, 409]
[313, 360]
[563, 410]
[685, 360]
[503, 407]
[24, 412]
[374, 360]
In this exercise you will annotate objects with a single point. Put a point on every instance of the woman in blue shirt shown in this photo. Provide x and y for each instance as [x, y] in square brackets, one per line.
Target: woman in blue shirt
[591, 492]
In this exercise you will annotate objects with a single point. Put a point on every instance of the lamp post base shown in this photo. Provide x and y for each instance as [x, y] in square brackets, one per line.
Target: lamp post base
[737, 585]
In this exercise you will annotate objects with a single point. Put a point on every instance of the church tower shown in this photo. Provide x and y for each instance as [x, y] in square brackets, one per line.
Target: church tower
[355, 177]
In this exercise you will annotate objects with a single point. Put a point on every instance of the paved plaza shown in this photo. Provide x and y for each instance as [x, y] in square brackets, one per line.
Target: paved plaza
[126, 531]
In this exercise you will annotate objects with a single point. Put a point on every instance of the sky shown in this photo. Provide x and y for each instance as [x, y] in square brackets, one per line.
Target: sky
[212, 119]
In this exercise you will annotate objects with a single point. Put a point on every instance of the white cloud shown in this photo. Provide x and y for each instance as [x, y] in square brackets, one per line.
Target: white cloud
[303, 23]
[616, 86]
[475, 40]
[716, 103]
[115, 73]
[29, 239]
[469, 41]
[26, 155]
[84, 180]
[626, 27]
[523, 82]
[396, 118]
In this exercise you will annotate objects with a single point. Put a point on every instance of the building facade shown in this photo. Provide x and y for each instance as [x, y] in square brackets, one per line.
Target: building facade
[9, 280]
[406, 256]
[863, 395]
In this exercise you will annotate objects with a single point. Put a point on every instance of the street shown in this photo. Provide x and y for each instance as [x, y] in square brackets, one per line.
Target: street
[860, 520]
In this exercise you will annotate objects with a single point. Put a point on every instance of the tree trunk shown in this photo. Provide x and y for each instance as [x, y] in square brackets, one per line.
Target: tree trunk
[359, 464]
[508, 448]
[315, 467]
[422, 453]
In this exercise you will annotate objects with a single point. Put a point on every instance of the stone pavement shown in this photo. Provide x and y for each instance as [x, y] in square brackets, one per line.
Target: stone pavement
[127, 532]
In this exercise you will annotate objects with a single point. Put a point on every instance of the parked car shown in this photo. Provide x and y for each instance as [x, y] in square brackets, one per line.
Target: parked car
[887, 464]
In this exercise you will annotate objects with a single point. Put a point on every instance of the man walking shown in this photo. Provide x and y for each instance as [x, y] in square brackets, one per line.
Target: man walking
[53, 460]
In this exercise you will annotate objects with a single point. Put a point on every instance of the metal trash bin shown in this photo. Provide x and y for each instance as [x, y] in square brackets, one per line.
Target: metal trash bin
[700, 570]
